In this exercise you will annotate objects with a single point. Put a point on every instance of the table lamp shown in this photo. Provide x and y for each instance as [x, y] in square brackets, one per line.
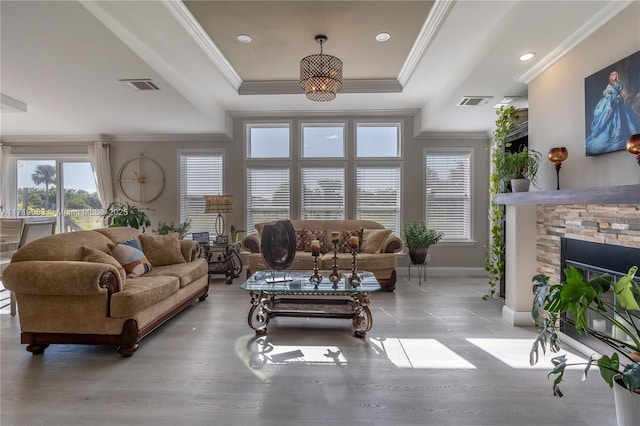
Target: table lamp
[558, 155]
[219, 204]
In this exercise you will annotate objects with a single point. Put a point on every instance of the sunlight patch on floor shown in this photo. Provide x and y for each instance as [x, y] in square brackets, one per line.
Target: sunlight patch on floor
[515, 353]
[421, 353]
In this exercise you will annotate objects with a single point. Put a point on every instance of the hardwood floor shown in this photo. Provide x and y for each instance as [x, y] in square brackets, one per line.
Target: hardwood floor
[427, 361]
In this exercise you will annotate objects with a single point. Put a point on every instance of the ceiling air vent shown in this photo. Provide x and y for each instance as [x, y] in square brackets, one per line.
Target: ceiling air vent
[473, 100]
[140, 84]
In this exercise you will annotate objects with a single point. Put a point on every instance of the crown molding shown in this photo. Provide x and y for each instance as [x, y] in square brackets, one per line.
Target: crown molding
[90, 139]
[436, 18]
[289, 114]
[611, 9]
[292, 87]
[200, 36]
[452, 136]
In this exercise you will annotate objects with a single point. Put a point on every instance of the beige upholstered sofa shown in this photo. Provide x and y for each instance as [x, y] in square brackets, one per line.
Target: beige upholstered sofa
[70, 290]
[377, 248]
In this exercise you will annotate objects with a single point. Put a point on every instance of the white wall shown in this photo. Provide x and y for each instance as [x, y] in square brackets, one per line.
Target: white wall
[557, 114]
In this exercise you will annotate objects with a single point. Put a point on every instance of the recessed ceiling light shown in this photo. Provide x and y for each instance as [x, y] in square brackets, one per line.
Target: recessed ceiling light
[527, 56]
[383, 36]
[243, 38]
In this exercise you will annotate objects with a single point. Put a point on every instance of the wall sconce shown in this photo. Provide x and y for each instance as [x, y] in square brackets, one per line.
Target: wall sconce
[633, 146]
[558, 155]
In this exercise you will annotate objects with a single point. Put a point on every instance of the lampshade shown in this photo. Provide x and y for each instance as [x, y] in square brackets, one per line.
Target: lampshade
[321, 75]
[218, 203]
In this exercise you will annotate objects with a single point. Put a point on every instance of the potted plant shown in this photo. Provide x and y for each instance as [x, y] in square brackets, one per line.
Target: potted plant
[124, 214]
[586, 302]
[521, 168]
[181, 229]
[418, 238]
[235, 232]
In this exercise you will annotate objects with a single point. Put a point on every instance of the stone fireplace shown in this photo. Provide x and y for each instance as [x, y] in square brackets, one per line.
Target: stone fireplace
[537, 221]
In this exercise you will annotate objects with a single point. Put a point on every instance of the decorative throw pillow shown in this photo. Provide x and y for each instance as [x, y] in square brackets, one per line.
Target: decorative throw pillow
[372, 240]
[132, 259]
[162, 249]
[320, 235]
[300, 238]
[344, 245]
[94, 255]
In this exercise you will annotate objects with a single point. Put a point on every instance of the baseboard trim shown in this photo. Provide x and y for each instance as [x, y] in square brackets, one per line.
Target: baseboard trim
[403, 271]
[516, 318]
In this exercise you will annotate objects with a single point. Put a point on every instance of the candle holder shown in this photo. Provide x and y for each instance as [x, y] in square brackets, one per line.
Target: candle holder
[558, 155]
[633, 146]
[354, 279]
[335, 275]
[315, 277]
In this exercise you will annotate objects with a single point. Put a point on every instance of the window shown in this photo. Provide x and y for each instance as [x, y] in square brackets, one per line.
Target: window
[378, 196]
[268, 141]
[322, 193]
[62, 188]
[448, 193]
[322, 140]
[377, 140]
[268, 195]
[201, 173]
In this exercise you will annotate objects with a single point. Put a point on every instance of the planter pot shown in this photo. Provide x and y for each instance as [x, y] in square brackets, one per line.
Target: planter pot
[520, 185]
[418, 255]
[627, 405]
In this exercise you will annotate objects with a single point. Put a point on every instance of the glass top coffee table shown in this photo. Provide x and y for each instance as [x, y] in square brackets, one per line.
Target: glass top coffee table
[292, 294]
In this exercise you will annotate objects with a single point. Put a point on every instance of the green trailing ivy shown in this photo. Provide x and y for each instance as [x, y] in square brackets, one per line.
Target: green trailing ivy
[494, 265]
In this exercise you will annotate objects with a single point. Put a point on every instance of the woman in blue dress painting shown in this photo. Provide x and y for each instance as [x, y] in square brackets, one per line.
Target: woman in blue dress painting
[613, 120]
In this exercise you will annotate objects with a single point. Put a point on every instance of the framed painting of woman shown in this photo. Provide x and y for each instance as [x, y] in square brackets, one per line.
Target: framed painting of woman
[612, 106]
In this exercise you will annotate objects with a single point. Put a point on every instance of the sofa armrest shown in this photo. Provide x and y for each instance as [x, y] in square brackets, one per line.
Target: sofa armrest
[392, 244]
[61, 278]
[190, 250]
[251, 243]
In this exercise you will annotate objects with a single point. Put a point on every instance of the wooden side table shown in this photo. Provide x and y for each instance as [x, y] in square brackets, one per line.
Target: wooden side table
[223, 259]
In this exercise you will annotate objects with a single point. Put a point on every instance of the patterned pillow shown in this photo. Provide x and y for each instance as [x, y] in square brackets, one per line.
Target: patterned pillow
[344, 245]
[131, 257]
[320, 235]
[300, 238]
[96, 256]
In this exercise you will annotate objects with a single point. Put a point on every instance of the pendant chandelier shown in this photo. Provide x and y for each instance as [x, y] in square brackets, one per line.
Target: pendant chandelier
[321, 75]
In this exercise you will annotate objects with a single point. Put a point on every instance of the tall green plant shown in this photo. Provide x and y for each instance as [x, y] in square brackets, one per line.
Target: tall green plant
[494, 264]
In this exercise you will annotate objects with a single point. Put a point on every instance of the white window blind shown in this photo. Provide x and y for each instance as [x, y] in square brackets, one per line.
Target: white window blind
[322, 193]
[268, 195]
[378, 196]
[200, 174]
[448, 193]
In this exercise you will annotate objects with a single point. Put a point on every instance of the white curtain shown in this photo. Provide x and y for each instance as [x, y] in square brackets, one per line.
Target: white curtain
[7, 182]
[99, 156]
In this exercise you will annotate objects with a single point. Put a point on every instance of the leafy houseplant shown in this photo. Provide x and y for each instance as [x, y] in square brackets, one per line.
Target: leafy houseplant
[418, 238]
[494, 265]
[181, 229]
[124, 214]
[579, 298]
[521, 165]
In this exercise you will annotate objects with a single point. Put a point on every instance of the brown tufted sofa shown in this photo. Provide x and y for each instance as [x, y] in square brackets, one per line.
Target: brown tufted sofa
[63, 298]
[377, 248]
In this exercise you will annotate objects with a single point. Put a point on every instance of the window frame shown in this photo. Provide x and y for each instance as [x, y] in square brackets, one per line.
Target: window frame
[399, 124]
[248, 125]
[470, 152]
[322, 123]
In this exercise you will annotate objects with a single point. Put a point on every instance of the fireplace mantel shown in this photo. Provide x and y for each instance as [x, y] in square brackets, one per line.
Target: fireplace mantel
[622, 194]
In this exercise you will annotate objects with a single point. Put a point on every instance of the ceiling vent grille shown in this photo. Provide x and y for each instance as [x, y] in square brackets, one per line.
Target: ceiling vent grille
[140, 84]
[473, 100]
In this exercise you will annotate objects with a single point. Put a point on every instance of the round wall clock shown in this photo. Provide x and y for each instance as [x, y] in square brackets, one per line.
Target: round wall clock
[141, 179]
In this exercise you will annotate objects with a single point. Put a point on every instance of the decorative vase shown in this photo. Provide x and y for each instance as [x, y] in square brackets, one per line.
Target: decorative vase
[520, 185]
[418, 255]
[627, 404]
